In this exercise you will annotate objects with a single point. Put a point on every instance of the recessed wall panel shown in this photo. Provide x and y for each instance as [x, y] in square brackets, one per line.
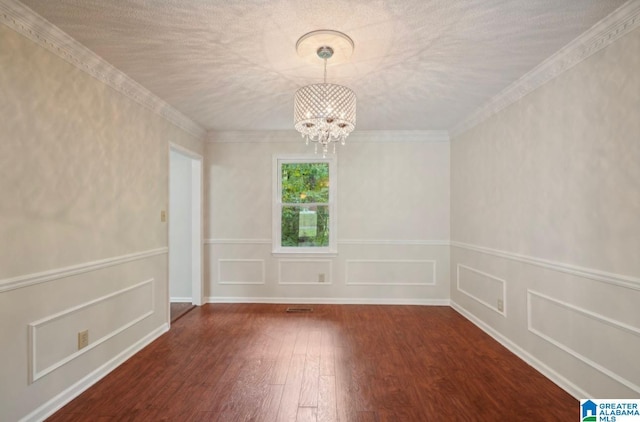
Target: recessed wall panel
[391, 272]
[54, 339]
[241, 271]
[304, 271]
[482, 287]
[588, 336]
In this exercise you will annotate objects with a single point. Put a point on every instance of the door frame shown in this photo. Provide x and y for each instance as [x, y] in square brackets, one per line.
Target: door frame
[197, 220]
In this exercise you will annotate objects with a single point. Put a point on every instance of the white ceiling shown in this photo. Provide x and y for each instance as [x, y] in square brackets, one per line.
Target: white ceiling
[417, 64]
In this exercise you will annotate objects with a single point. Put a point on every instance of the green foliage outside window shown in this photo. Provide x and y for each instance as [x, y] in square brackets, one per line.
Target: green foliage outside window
[305, 199]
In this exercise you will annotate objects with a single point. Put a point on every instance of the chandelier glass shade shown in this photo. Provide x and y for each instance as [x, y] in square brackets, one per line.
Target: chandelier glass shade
[325, 113]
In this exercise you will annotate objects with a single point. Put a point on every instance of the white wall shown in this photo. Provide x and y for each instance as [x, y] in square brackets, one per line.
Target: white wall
[393, 221]
[545, 207]
[180, 274]
[544, 203]
[83, 178]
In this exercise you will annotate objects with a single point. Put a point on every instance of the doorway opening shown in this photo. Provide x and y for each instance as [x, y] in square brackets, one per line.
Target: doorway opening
[185, 231]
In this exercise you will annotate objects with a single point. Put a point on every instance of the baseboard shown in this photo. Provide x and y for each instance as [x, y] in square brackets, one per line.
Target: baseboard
[53, 405]
[538, 365]
[328, 301]
[178, 299]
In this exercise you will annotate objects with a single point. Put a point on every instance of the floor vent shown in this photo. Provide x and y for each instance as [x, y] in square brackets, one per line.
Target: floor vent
[298, 310]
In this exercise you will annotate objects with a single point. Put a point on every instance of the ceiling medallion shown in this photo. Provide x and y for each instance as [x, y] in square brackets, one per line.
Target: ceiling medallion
[325, 113]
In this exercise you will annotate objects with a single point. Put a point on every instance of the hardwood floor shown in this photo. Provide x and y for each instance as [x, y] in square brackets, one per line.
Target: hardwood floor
[248, 362]
[179, 309]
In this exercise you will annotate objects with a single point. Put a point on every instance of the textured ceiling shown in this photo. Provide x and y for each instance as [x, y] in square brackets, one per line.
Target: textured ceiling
[417, 64]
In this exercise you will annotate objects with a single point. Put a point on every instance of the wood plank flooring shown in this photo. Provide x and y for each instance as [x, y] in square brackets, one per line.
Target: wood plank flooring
[250, 362]
[178, 309]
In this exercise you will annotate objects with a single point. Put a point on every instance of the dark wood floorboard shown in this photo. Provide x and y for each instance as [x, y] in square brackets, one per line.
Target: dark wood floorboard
[179, 309]
[251, 362]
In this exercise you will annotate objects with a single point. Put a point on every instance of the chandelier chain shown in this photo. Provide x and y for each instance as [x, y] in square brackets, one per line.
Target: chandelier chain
[325, 70]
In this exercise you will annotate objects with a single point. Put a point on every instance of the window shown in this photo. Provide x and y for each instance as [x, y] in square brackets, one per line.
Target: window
[304, 206]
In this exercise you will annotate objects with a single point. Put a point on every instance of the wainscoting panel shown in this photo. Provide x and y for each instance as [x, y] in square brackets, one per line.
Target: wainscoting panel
[53, 339]
[123, 303]
[580, 327]
[363, 271]
[304, 271]
[388, 272]
[241, 271]
[621, 280]
[587, 336]
[482, 287]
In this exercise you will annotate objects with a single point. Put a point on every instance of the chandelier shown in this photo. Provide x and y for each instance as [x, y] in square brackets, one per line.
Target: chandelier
[325, 113]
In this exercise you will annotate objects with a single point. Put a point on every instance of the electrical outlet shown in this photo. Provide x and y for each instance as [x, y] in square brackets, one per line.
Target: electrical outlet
[500, 305]
[321, 278]
[163, 216]
[83, 339]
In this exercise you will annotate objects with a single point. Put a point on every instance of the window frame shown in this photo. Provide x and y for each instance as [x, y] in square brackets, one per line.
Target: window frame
[277, 248]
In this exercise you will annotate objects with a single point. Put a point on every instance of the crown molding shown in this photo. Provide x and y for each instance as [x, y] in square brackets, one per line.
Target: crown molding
[394, 242]
[28, 23]
[358, 136]
[401, 136]
[619, 23]
[251, 136]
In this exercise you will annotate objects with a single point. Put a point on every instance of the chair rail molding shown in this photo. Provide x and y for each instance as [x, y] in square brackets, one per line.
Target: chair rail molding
[399, 242]
[50, 275]
[237, 241]
[621, 280]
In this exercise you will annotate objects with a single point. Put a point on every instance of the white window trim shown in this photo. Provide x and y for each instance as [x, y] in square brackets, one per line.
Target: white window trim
[278, 160]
